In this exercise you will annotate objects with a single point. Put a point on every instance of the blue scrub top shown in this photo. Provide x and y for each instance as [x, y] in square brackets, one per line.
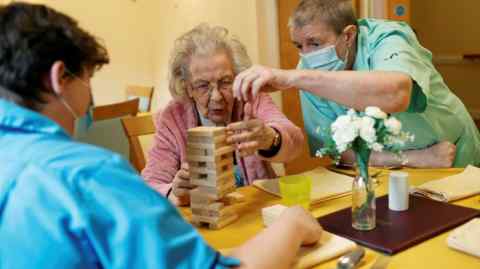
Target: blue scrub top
[64, 204]
[435, 114]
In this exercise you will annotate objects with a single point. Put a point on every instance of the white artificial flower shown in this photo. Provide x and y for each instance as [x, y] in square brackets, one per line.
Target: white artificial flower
[367, 129]
[393, 125]
[377, 147]
[318, 154]
[375, 112]
[342, 147]
[341, 123]
[344, 131]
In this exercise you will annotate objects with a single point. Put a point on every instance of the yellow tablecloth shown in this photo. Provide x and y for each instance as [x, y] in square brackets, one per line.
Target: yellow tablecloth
[433, 253]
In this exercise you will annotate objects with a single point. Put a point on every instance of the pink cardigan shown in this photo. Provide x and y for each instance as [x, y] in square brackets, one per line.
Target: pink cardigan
[169, 148]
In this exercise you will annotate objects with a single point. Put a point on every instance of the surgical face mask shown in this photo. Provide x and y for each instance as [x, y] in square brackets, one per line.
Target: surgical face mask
[82, 123]
[324, 59]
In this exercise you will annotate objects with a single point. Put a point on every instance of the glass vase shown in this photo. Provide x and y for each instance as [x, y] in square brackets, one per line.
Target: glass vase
[363, 197]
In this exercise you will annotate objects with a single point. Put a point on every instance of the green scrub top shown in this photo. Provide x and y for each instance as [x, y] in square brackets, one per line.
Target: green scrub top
[435, 114]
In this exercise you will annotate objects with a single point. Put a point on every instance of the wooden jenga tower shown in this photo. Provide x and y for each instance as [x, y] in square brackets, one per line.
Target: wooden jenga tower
[210, 162]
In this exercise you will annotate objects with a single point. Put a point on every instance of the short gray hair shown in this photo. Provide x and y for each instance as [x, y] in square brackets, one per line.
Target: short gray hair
[204, 40]
[337, 14]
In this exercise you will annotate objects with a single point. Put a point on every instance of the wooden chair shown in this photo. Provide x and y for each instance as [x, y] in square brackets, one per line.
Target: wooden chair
[144, 93]
[134, 128]
[126, 108]
[107, 131]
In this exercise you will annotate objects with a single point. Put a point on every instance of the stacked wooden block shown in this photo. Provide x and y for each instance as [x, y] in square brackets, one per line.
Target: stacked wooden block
[210, 162]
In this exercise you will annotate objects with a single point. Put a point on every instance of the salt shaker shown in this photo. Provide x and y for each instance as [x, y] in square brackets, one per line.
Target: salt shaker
[398, 191]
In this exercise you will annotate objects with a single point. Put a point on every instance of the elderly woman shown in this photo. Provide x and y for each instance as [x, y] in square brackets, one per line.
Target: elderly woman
[203, 66]
[349, 63]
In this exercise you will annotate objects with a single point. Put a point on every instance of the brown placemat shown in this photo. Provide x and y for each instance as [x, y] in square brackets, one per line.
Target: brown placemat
[396, 231]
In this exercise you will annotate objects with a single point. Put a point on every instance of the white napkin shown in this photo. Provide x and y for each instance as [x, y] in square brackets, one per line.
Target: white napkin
[466, 238]
[326, 185]
[451, 188]
[329, 246]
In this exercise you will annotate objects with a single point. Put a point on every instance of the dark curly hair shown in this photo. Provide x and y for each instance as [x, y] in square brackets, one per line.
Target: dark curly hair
[32, 38]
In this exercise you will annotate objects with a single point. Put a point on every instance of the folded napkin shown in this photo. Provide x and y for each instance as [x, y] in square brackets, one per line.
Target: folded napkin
[326, 185]
[466, 238]
[451, 188]
[329, 246]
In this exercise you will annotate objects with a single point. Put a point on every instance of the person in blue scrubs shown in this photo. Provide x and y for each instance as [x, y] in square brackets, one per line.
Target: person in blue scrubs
[349, 63]
[64, 204]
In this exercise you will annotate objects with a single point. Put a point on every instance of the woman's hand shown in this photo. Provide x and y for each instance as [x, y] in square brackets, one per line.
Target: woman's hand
[180, 194]
[250, 136]
[303, 222]
[258, 78]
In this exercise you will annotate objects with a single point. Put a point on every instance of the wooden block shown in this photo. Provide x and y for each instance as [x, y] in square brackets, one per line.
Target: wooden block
[211, 158]
[223, 222]
[206, 145]
[199, 152]
[210, 165]
[212, 178]
[202, 198]
[207, 170]
[211, 213]
[206, 131]
[218, 185]
[208, 142]
[233, 197]
[214, 223]
[216, 206]
[215, 192]
[210, 152]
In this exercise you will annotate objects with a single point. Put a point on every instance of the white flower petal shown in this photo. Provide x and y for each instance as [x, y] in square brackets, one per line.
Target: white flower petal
[375, 112]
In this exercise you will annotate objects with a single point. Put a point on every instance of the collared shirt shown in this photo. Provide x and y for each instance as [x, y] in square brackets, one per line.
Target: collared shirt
[435, 114]
[64, 204]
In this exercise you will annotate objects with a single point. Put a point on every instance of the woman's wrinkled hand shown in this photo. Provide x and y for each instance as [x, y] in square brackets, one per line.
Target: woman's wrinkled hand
[250, 136]
[181, 186]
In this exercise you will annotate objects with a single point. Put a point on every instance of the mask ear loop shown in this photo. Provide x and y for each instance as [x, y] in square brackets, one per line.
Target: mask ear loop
[347, 53]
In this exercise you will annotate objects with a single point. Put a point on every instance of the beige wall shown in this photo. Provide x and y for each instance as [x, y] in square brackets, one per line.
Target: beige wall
[449, 28]
[252, 21]
[139, 36]
[123, 26]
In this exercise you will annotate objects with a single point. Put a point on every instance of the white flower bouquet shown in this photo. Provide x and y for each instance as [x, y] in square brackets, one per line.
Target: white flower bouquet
[363, 132]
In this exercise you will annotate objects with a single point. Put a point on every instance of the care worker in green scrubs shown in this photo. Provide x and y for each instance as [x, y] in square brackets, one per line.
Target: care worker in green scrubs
[349, 63]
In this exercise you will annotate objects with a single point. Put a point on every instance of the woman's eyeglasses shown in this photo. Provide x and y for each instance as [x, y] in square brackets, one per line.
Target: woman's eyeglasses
[205, 88]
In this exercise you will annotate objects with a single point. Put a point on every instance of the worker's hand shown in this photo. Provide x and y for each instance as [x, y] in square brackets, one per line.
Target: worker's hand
[440, 155]
[303, 221]
[257, 79]
[250, 135]
[181, 187]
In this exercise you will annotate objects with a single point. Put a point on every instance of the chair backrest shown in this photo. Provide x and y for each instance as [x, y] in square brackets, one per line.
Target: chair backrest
[126, 108]
[144, 93]
[135, 127]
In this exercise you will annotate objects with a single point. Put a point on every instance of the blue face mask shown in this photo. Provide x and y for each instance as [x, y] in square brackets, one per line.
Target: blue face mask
[323, 59]
[83, 123]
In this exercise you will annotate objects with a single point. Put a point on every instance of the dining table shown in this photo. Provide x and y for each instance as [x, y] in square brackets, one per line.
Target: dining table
[431, 253]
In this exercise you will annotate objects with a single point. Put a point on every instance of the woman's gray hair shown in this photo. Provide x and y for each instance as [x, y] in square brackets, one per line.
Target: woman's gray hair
[203, 40]
[337, 14]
